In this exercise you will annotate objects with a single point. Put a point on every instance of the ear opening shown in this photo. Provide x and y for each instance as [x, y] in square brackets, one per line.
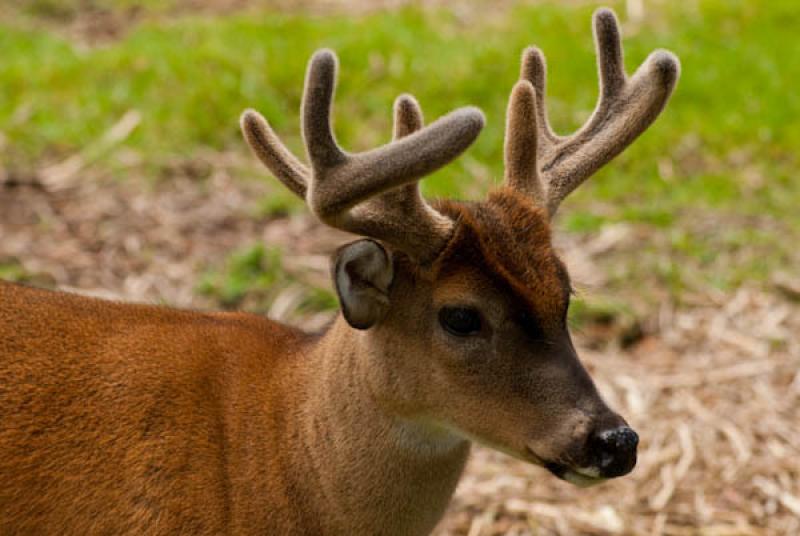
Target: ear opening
[362, 274]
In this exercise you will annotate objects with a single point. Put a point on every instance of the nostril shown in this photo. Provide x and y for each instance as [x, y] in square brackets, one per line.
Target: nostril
[620, 439]
[615, 450]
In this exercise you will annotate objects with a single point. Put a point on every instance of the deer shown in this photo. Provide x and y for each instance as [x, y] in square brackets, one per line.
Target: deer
[123, 418]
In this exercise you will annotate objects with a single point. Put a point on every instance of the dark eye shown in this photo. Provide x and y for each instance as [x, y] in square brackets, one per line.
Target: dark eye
[460, 321]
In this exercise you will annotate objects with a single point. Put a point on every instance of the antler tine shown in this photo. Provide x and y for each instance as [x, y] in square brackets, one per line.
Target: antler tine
[408, 119]
[408, 116]
[520, 149]
[534, 70]
[625, 108]
[610, 66]
[321, 146]
[273, 153]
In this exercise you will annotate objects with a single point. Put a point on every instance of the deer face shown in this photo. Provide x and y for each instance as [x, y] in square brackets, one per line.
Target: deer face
[464, 305]
[491, 358]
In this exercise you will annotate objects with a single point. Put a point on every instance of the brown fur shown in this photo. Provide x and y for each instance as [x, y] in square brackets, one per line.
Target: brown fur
[114, 417]
[147, 420]
[511, 236]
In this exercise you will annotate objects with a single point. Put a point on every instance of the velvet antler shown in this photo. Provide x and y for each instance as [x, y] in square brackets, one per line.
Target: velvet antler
[373, 193]
[549, 167]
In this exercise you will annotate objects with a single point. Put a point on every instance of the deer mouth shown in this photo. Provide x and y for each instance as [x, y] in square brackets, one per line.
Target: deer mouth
[583, 477]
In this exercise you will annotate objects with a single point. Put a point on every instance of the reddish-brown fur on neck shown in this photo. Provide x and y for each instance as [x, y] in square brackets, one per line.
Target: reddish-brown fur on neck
[509, 238]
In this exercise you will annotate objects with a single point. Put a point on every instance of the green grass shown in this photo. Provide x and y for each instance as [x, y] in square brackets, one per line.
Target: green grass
[13, 271]
[257, 274]
[255, 268]
[725, 146]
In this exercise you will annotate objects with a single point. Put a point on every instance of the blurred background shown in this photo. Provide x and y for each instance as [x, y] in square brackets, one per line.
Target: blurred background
[123, 175]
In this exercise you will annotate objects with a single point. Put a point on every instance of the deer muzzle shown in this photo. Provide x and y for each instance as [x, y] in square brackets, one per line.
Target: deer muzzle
[608, 453]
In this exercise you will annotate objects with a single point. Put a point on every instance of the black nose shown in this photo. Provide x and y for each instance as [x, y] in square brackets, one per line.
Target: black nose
[614, 451]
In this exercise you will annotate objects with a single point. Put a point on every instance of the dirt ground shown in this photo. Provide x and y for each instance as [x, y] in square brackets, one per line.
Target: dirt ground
[713, 388]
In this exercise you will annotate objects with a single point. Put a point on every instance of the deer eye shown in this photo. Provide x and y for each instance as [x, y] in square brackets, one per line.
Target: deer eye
[460, 321]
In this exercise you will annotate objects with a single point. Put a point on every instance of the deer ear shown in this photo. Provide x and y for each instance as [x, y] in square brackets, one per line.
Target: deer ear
[362, 274]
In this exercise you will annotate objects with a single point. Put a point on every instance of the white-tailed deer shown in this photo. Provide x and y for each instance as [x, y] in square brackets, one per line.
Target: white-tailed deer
[133, 419]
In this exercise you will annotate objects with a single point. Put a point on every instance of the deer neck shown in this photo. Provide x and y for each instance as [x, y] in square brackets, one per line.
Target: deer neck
[377, 472]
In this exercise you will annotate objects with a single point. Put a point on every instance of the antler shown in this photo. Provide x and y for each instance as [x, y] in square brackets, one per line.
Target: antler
[373, 193]
[549, 167]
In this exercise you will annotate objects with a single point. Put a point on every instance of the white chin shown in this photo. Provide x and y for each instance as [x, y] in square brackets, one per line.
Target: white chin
[582, 480]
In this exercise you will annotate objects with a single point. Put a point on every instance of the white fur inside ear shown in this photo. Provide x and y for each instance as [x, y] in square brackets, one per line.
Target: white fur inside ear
[363, 272]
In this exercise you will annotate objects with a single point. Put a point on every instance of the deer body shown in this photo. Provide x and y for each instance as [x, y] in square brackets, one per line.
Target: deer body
[227, 423]
[132, 419]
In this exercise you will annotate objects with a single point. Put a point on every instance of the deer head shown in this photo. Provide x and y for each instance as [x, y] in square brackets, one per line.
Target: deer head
[461, 307]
